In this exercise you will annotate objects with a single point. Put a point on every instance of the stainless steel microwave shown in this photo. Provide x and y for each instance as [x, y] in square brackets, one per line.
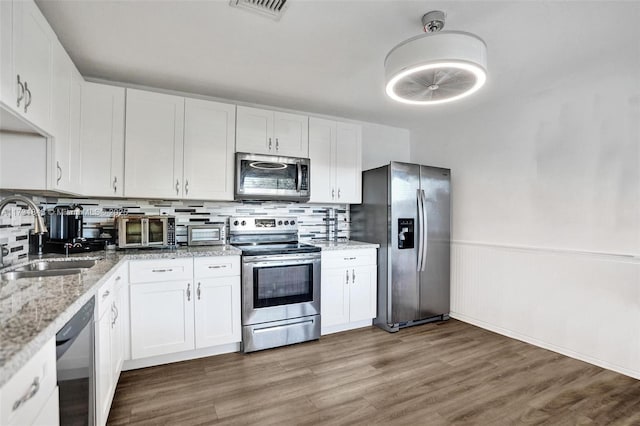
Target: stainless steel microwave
[135, 231]
[266, 177]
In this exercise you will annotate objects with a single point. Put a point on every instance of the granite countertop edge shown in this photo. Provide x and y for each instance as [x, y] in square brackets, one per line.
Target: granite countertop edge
[33, 344]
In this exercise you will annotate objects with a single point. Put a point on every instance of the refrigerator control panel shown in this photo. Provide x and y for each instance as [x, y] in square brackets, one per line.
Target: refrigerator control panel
[405, 233]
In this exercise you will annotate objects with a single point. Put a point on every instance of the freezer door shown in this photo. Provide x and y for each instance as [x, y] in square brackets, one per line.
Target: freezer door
[435, 271]
[403, 262]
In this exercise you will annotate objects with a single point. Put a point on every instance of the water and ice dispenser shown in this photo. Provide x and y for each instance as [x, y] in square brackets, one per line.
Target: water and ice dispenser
[405, 233]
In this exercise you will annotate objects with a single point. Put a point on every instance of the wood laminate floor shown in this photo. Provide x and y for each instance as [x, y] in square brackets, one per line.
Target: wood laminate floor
[446, 373]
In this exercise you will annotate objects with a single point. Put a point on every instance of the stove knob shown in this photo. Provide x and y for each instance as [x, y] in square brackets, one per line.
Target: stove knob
[243, 223]
[235, 222]
[293, 222]
[286, 222]
[279, 222]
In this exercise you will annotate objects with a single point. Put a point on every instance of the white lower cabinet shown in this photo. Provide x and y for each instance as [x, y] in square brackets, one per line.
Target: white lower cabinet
[26, 399]
[110, 336]
[349, 289]
[189, 312]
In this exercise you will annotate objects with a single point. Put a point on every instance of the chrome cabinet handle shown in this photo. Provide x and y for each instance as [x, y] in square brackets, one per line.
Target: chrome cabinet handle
[349, 258]
[31, 392]
[353, 276]
[188, 292]
[27, 101]
[347, 276]
[105, 294]
[113, 313]
[118, 278]
[198, 291]
[269, 144]
[186, 187]
[115, 184]
[277, 144]
[20, 91]
[177, 187]
[59, 172]
[333, 193]
[338, 193]
[217, 266]
[162, 270]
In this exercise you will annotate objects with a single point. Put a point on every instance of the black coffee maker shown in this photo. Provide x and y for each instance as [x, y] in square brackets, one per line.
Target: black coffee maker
[65, 223]
[65, 231]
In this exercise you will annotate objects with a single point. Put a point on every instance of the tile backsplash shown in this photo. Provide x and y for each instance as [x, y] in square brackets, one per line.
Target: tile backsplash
[98, 216]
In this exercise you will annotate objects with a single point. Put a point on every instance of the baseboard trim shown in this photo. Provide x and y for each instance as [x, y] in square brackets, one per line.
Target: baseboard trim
[134, 364]
[345, 327]
[545, 345]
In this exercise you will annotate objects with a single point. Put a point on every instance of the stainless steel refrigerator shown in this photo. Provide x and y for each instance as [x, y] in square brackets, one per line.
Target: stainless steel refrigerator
[406, 209]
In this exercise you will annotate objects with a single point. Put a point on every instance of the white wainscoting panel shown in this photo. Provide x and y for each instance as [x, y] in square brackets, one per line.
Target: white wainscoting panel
[584, 305]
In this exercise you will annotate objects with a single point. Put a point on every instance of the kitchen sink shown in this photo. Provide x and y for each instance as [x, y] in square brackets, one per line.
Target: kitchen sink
[48, 268]
[46, 265]
[15, 275]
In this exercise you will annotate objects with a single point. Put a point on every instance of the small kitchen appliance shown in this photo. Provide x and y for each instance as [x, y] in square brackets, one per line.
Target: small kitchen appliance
[266, 177]
[280, 282]
[65, 224]
[214, 232]
[141, 231]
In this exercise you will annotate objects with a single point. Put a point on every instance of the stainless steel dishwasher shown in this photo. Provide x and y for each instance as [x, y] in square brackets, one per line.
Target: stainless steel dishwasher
[75, 368]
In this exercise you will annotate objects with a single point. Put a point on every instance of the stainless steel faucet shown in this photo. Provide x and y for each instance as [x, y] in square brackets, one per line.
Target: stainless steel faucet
[39, 227]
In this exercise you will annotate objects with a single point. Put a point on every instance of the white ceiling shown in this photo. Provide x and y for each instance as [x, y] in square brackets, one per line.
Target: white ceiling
[327, 56]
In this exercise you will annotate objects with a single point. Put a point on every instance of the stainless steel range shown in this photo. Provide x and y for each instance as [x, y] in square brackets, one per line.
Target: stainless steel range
[280, 282]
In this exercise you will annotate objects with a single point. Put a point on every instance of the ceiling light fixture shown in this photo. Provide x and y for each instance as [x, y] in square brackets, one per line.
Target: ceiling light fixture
[436, 67]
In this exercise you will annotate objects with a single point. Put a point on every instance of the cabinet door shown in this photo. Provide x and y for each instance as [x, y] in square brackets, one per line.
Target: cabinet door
[102, 140]
[33, 49]
[291, 135]
[61, 119]
[161, 318]
[349, 163]
[334, 296]
[254, 131]
[322, 144]
[154, 144]
[217, 311]
[362, 293]
[209, 143]
[104, 376]
[8, 78]
[50, 413]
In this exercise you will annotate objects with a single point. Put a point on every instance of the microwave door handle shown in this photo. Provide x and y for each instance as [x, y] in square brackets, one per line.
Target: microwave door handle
[145, 231]
[299, 184]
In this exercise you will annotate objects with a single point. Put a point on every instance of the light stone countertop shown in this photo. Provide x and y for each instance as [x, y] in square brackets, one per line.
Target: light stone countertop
[32, 310]
[344, 245]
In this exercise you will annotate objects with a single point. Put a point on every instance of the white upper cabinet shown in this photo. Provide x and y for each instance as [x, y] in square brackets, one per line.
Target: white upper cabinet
[65, 122]
[209, 140]
[260, 131]
[153, 145]
[32, 51]
[335, 151]
[102, 140]
[8, 80]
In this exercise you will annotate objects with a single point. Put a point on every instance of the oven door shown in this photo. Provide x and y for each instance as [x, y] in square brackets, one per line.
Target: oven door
[156, 231]
[132, 232]
[278, 287]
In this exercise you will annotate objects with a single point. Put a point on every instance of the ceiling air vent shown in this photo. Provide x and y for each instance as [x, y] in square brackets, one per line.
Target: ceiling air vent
[271, 8]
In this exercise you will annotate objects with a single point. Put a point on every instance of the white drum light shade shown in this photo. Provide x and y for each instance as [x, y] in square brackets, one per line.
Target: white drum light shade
[434, 68]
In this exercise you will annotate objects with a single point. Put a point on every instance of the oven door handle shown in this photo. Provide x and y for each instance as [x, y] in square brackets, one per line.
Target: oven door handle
[282, 262]
[280, 327]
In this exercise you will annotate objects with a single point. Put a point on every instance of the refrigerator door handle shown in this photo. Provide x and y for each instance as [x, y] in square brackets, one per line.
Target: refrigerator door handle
[425, 234]
[420, 230]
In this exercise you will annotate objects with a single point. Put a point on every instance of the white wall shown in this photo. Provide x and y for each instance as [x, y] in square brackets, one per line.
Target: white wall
[538, 179]
[382, 144]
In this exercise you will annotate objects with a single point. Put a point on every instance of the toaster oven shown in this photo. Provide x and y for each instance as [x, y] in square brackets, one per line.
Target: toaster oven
[214, 233]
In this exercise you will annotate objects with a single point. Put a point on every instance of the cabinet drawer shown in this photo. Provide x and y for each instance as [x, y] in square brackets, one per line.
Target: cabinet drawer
[146, 271]
[22, 398]
[348, 258]
[220, 266]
